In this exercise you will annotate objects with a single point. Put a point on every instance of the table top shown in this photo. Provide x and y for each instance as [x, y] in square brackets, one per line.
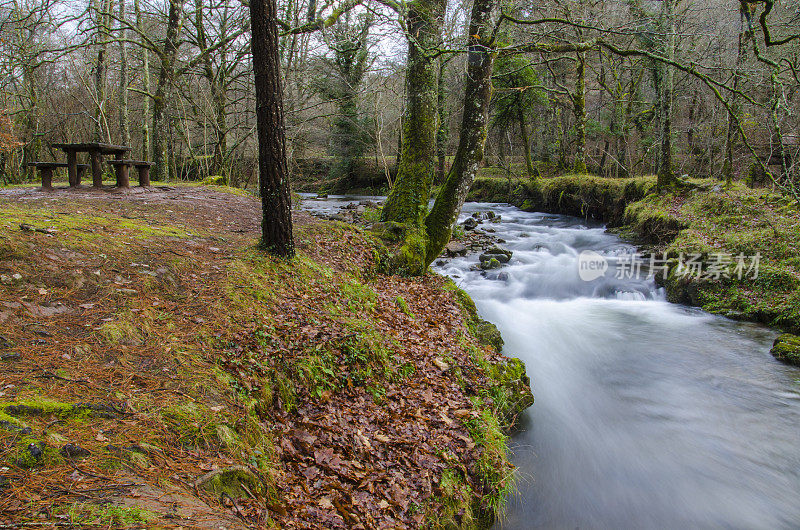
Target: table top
[131, 163]
[92, 146]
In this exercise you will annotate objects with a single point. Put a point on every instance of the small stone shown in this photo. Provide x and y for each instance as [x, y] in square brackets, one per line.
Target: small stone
[5, 279]
[490, 264]
[441, 364]
[454, 248]
[470, 223]
[502, 258]
[35, 451]
[11, 356]
[74, 451]
[126, 291]
[498, 250]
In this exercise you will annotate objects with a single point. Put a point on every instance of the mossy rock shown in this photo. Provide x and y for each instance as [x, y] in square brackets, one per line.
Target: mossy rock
[512, 391]
[488, 334]
[786, 348]
[238, 482]
[215, 180]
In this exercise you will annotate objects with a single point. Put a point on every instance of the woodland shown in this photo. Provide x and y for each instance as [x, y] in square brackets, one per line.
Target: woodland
[217, 347]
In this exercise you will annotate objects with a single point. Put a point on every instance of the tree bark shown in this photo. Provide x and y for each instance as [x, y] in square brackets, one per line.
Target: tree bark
[276, 224]
[579, 108]
[441, 132]
[408, 201]
[219, 98]
[472, 140]
[102, 12]
[666, 175]
[165, 78]
[146, 81]
[732, 133]
[124, 119]
[526, 144]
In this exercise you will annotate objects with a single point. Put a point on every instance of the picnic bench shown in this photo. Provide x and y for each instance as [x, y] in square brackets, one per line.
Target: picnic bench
[46, 171]
[96, 152]
[123, 167]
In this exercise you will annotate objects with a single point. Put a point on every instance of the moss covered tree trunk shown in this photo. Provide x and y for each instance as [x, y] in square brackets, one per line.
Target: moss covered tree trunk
[166, 76]
[526, 144]
[124, 117]
[407, 202]
[730, 138]
[145, 83]
[664, 76]
[477, 93]
[103, 14]
[579, 108]
[441, 132]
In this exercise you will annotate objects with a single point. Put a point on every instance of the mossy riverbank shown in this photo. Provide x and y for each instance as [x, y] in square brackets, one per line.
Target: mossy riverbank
[705, 218]
[158, 371]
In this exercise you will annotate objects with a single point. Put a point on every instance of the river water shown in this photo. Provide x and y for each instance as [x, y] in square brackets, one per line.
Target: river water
[648, 414]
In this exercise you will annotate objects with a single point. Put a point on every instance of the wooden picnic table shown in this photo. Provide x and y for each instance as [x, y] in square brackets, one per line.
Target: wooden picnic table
[96, 151]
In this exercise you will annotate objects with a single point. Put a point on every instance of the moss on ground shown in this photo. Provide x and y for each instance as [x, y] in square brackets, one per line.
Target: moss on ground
[222, 365]
[720, 224]
[86, 230]
[104, 515]
[584, 196]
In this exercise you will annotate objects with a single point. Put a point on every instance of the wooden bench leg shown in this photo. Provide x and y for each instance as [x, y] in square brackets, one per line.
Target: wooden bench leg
[123, 180]
[144, 175]
[97, 169]
[72, 169]
[47, 177]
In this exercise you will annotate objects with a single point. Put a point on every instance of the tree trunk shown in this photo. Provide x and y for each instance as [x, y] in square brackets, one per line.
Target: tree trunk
[666, 174]
[124, 119]
[526, 144]
[146, 82]
[165, 79]
[733, 131]
[408, 201]
[33, 141]
[472, 139]
[219, 98]
[441, 132]
[102, 11]
[276, 224]
[579, 108]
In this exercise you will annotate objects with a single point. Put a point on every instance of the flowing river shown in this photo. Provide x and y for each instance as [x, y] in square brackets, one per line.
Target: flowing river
[648, 414]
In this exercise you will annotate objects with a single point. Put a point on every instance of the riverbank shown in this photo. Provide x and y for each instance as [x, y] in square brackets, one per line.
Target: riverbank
[706, 219]
[157, 370]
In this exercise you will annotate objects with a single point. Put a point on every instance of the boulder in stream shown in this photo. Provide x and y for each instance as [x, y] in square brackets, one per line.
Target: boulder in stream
[786, 348]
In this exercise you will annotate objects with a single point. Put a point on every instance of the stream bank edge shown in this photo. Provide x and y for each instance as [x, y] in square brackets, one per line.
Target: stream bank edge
[704, 217]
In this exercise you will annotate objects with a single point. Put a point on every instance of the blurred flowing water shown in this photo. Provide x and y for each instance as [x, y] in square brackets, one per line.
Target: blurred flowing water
[648, 414]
